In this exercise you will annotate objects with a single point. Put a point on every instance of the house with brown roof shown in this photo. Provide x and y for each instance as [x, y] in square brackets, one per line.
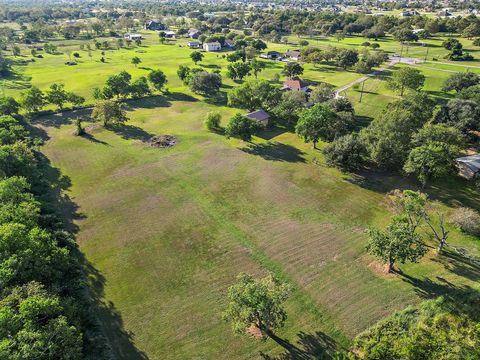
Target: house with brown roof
[295, 84]
[259, 115]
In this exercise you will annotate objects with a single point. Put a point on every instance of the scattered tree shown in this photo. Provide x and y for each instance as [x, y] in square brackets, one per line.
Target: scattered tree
[158, 79]
[292, 69]
[242, 127]
[212, 120]
[109, 112]
[136, 60]
[257, 302]
[398, 243]
[407, 78]
[196, 56]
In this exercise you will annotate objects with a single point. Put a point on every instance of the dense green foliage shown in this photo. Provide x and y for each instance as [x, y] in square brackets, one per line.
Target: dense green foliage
[444, 328]
[320, 122]
[242, 127]
[43, 305]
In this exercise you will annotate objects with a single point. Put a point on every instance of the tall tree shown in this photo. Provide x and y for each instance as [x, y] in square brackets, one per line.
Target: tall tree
[33, 99]
[257, 302]
[407, 78]
[109, 112]
[242, 127]
[398, 243]
[158, 79]
[292, 69]
[136, 60]
[196, 56]
[319, 122]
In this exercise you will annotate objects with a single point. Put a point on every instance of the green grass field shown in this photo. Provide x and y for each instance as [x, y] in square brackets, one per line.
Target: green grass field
[168, 230]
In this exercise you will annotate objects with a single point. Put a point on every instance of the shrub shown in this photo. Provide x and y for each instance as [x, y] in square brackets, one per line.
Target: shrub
[467, 220]
[212, 120]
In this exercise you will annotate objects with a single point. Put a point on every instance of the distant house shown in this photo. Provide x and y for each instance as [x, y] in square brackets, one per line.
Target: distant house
[133, 37]
[293, 55]
[469, 166]
[259, 115]
[194, 45]
[169, 34]
[155, 26]
[230, 44]
[407, 13]
[444, 13]
[295, 84]
[271, 55]
[212, 46]
[194, 33]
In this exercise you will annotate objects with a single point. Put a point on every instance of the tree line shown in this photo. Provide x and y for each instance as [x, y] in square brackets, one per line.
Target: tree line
[45, 307]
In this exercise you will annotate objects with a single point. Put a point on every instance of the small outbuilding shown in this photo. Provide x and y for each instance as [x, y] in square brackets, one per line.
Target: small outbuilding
[469, 166]
[194, 44]
[259, 115]
[230, 44]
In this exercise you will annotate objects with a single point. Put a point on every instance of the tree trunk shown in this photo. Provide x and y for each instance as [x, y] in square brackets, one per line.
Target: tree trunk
[390, 265]
[315, 145]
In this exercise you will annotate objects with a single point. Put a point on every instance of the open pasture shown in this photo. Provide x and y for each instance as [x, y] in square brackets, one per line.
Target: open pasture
[169, 229]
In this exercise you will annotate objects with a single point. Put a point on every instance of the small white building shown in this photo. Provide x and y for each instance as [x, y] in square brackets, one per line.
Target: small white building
[193, 44]
[133, 37]
[212, 46]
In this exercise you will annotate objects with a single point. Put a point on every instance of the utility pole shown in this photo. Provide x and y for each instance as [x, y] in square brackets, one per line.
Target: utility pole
[361, 92]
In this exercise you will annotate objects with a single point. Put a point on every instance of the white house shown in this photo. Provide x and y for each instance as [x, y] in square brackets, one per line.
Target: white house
[212, 46]
[133, 37]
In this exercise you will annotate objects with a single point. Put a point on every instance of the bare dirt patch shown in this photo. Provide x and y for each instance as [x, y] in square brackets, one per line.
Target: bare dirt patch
[162, 141]
[380, 269]
[254, 331]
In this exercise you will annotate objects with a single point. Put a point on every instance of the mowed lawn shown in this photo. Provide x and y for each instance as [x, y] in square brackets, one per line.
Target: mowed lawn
[168, 230]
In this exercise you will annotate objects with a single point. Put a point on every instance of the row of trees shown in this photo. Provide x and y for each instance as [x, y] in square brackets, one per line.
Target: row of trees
[362, 61]
[120, 86]
[34, 99]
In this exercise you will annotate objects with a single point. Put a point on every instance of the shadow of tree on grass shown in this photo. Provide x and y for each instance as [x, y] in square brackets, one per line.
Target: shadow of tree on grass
[104, 332]
[316, 346]
[275, 151]
[130, 132]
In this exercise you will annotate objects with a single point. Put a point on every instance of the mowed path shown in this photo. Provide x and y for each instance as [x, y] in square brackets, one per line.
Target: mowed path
[168, 230]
